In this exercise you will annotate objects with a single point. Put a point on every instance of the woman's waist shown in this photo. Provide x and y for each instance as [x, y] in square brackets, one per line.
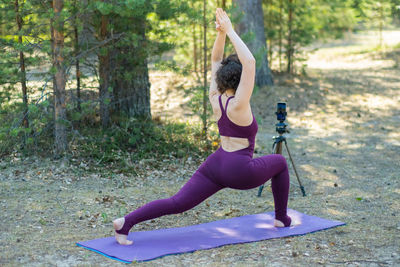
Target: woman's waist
[237, 149]
[232, 143]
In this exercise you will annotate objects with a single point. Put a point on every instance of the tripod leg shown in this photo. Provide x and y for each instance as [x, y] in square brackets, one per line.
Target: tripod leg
[260, 189]
[278, 150]
[295, 170]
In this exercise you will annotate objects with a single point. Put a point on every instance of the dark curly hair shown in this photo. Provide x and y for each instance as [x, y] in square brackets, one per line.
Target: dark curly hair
[228, 75]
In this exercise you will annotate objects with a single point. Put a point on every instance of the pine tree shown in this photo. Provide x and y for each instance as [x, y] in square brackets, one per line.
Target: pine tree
[59, 80]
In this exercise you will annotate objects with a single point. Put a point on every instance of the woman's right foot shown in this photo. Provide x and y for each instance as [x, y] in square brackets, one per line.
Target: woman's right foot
[121, 239]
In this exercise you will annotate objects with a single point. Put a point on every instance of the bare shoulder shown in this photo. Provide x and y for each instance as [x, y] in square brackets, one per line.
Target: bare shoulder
[238, 105]
[213, 97]
[240, 113]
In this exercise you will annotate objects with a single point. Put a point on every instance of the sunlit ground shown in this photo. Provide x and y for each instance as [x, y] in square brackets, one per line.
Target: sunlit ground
[356, 48]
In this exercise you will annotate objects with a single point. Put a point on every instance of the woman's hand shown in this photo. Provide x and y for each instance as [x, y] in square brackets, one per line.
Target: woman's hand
[223, 21]
[218, 49]
[218, 27]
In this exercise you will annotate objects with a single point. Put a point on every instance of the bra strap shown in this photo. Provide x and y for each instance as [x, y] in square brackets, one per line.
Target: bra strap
[229, 98]
[220, 104]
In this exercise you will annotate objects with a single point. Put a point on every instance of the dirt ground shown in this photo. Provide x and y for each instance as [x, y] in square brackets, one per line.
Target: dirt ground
[345, 139]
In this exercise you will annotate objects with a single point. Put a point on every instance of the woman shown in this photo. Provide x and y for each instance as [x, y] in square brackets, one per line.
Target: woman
[232, 164]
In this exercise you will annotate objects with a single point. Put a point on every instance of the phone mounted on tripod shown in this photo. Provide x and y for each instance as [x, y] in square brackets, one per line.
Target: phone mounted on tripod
[281, 117]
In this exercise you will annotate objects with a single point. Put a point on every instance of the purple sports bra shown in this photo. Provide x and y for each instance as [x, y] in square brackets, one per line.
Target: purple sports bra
[227, 127]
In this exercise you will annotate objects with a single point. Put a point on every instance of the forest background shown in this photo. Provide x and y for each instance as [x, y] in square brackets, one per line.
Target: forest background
[74, 76]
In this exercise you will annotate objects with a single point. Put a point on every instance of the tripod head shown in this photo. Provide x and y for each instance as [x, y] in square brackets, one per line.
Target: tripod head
[281, 117]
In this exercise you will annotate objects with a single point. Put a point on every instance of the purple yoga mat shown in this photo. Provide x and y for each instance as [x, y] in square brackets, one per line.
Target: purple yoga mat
[149, 245]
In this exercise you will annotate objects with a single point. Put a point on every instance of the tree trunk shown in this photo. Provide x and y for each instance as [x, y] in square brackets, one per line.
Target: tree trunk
[60, 118]
[132, 96]
[270, 52]
[77, 69]
[104, 73]
[223, 7]
[253, 21]
[381, 18]
[200, 54]
[268, 24]
[22, 66]
[205, 70]
[131, 77]
[290, 49]
[194, 48]
[280, 33]
[87, 37]
[194, 42]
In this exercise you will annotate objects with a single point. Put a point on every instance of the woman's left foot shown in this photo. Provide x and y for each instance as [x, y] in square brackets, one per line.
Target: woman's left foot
[288, 222]
[121, 239]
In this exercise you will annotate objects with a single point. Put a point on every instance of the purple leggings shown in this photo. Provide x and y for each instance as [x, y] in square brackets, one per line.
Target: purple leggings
[222, 169]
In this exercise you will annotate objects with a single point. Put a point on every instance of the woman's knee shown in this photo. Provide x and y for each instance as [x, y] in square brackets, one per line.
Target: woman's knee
[179, 205]
[281, 161]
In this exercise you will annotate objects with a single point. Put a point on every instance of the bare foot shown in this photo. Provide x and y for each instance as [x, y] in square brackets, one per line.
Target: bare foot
[278, 223]
[121, 239]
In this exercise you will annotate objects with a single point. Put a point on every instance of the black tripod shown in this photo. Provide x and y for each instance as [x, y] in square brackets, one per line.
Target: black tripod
[277, 145]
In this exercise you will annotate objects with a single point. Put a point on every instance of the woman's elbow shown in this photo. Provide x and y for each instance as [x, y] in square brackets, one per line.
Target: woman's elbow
[250, 60]
[249, 63]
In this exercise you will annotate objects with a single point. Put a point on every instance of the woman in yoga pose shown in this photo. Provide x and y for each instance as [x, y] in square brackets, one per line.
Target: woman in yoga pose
[232, 164]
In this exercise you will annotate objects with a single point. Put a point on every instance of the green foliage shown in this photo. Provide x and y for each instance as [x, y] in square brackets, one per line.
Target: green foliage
[312, 20]
[196, 100]
[167, 25]
[165, 65]
[141, 138]
[129, 141]
[366, 9]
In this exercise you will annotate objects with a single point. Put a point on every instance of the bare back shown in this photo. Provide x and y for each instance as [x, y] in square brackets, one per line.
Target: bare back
[241, 117]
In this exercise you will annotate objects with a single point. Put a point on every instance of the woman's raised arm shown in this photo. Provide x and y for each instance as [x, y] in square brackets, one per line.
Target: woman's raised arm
[247, 78]
[216, 58]
[218, 48]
